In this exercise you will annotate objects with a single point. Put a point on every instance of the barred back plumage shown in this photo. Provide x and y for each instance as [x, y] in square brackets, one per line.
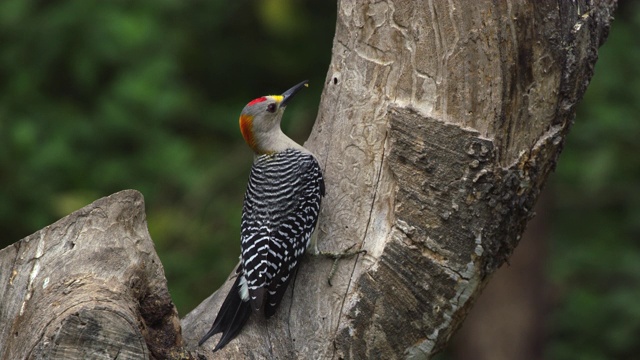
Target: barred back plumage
[279, 215]
[280, 212]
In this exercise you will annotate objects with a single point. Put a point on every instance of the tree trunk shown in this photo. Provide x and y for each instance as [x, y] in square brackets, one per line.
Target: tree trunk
[438, 126]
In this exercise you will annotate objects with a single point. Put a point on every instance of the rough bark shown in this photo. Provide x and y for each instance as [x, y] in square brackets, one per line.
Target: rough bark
[438, 126]
[88, 286]
[509, 319]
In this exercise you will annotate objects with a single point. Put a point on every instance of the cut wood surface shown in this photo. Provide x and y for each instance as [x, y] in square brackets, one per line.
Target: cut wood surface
[438, 126]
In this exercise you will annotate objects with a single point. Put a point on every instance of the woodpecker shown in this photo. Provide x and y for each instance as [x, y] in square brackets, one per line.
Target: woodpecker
[279, 214]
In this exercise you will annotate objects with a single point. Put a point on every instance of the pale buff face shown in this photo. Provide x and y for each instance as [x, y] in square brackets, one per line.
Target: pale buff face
[260, 120]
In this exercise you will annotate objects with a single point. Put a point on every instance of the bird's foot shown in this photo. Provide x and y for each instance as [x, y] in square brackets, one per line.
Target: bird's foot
[347, 253]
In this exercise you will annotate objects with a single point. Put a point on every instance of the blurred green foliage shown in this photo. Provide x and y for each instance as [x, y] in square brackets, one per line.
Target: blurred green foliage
[595, 254]
[100, 96]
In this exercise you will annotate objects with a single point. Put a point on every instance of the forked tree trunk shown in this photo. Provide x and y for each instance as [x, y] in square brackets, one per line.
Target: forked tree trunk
[438, 126]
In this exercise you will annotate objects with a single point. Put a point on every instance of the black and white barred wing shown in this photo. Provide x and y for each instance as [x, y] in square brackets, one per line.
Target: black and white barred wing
[279, 215]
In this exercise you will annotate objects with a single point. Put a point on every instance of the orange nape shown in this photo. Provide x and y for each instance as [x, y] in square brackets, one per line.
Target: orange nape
[246, 128]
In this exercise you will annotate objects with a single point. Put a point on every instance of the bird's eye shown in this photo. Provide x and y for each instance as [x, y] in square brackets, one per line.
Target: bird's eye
[271, 107]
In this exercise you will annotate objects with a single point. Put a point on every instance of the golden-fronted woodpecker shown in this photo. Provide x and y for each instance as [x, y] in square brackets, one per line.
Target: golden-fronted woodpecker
[279, 214]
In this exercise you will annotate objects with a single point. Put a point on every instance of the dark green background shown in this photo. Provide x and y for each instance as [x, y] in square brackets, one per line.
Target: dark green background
[100, 96]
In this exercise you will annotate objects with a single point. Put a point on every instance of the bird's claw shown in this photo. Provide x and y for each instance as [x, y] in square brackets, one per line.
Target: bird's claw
[337, 256]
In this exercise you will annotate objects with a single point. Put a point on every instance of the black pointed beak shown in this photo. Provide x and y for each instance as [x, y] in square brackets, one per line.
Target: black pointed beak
[287, 95]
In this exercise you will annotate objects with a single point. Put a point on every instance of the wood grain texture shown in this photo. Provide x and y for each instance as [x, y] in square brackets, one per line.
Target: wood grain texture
[438, 125]
[88, 286]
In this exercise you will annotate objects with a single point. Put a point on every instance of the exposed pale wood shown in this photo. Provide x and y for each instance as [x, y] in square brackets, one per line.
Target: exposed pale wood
[438, 126]
[88, 286]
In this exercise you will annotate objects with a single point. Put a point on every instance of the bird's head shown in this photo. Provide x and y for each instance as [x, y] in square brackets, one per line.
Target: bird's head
[260, 121]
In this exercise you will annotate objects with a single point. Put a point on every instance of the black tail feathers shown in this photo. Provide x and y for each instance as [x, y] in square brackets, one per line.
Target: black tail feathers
[231, 318]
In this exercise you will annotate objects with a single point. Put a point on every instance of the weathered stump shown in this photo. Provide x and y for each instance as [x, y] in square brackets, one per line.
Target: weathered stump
[88, 286]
